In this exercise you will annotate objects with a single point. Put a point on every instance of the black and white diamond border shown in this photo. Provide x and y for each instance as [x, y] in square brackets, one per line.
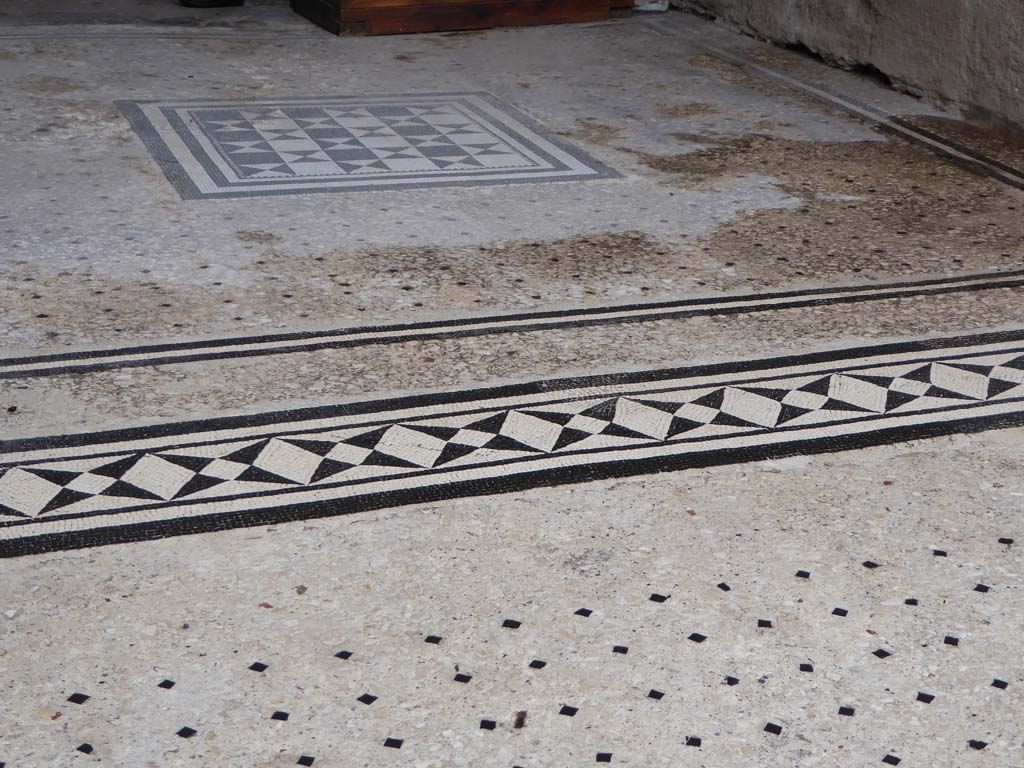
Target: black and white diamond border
[82, 490]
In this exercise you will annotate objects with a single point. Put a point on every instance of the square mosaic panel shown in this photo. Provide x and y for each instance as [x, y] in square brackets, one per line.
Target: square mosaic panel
[219, 149]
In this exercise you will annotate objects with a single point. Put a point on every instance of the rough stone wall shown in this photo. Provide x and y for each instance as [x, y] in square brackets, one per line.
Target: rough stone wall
[966, 52]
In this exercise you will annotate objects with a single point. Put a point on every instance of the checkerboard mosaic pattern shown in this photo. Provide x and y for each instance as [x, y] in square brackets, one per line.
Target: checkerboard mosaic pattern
[238, 149]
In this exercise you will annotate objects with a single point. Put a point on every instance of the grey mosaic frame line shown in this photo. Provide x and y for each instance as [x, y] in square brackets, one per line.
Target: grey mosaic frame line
[187, 187]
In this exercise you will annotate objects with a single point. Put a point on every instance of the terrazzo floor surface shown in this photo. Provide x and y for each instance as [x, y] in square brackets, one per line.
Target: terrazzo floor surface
[628, 393]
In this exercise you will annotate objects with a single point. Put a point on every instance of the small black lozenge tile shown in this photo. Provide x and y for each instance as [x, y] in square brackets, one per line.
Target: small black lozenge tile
[911, 601]
[604, 757]
[773, 728]
[305, 760]
[654, 694]
[881, 653]
[840, 612]
[806, 667]
[279, 715]
[538, 664]
[729, 680]
[584, 612]
[511, 624]
[1006, 541]
[950, 640]
[846, 711]
[620, 649]
[432, 639]
[724, 587]
[78, 698]
[258, 666]
[692, 741]
[165, 684]
[870, 564]
[764, 623]
[891, 760]
[803, 574]
[1001, 684]
[187, 733]
[975, 744]
[982, 588]
[488, 725]
[568, 711]
[697, 637]
[393, 743]
[343, 655]
[925, 698]
[367, 698]
[462, 678]
[656, 598]
[85, 749]
[940, 553]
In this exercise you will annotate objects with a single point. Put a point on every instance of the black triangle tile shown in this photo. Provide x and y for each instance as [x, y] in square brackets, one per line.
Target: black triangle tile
[128, 491]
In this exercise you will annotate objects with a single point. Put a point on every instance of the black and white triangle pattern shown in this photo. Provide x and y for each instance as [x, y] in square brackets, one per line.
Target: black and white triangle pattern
[439, 443]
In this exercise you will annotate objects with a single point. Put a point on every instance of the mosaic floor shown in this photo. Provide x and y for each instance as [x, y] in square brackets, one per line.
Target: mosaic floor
[708, 456]
[218, 149]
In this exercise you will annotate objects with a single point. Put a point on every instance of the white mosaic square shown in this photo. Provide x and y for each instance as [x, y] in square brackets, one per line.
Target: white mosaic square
[218, 149]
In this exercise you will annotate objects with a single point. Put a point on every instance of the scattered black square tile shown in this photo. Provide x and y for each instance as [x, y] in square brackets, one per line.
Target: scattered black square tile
[258, 666]
[1006, 541]
[78, 698]
[279, 715]
[654, 694]
[806, 667]
[869, 564]
[891, 760]
[724, 587]
[764, 623]
[697, 637]
[393, 743]
[343, 655]
[803, 574]
[975, 744]
[840, 612]
[305, 760]
[620, 649]
[604, 757]
[462, 678]
[656, 598]
[881, 653]
[940, 553]
[367, 698]
[538, 664]
[584, 612]
[85, 749]
[950, 640]
[432, 639]
[911, 601]
[773, 728]
[982, 587]
[511, 624]
[730, 680]
[187, 733]
[488, 725]
[692, 741]
[165, 684]
[1000, 684]
[846, 711]
[925, 698]
[568, 711]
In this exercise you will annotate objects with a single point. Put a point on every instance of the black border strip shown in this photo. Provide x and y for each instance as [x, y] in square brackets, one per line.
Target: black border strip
[864, 354]
[467, 327]
[52, 542]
